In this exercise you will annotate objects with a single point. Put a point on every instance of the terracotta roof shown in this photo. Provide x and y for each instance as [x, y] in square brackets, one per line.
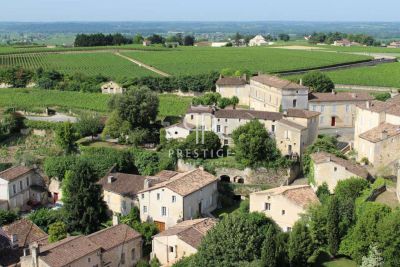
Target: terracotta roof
[166, 174]
[277, 82]
[113, 236]
[247, 114]
[227, 81]
[339, 96]
[186, 183]
[123, 183]
[14, 172]
[26, 231]
[381, 132]
[67, 251]
[200, 109]
[392, 106]
[323, 157]
[190, 232]
[301, 195]
[300, 113]
[293, 124]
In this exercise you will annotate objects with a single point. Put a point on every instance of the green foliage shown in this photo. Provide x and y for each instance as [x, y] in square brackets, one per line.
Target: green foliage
[84, 206]
[284, 37]
[237, 237]
[7, 217]
[55, 167]
[389, 238]
[147, 162]
[88, 124]
[15, 76]
[268, 250]
[333, 226]
[66, 137]
[318, 221]
[45, 217]
[253, 144]
[57, 231]
[195, 146]
[381, 96]
[99, 39]
[374, 258]
[318, 82]
[300, 246]
[184, 262]
[323, 192]
[155, 262]
[142, 263]
[41, 125]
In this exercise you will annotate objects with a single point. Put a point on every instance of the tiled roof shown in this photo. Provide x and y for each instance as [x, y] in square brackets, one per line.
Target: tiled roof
[200, 109]
[247, 114]
[14, 172]
[292, 124]
[277, 82]
[381, 132]
[183, 125]
[67, 251]
[322, 157]
[301, 195]
[166, 174]
[113, 236]
[226, 81]
[391, 106]
[26, 231]
[186, 183]
[123, 183]
[339, 96]
[301, 113]
[190, 232]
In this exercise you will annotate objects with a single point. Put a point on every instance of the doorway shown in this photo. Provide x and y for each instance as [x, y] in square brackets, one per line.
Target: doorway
[333, 121]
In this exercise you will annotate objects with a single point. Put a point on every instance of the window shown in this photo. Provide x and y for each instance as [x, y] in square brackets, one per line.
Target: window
[218, 128]
[171, 249]
[283, 212]
[123, 258]
[273, 128]
[14, 188]
[27, 181]
[226, 120]
[314, 107]
[191, 117]
[142, 196]
[335, 169]
[133, 256]
[322, 108]
[176, 132]
[347, 108]
[211, 200]
[173, 199]
[267, 206]
[163, 211]
[294, 103]
[88, 259]
[218, 120]
[158, 196]
[20, 185]
[144, 209]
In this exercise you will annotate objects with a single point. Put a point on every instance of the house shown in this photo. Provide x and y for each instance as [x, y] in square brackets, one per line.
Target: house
[271, 93]
[112, 88]
[146, 42]
[345, 42]
[338, 109]
[118, 245]
[284, 204]
[180, 197]
[20, 185]
[258, 40]
[377, 131]
[395, 44]
[179, 131]
[234, 86]
[15, 238]
[330, 169]
[181, 240]
[120, 191]
[200, 116]
[219, 44]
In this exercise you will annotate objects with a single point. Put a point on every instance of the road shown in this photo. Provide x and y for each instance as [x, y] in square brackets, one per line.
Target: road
[140, 64]
[56, 118]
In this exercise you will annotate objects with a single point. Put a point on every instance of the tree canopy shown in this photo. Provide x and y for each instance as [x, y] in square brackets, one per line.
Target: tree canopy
[318, 82]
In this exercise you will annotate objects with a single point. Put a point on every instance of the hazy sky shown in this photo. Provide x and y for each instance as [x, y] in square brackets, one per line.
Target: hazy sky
[199, 10]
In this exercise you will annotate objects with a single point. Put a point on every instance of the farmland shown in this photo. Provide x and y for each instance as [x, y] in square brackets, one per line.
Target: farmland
[34, 99]
[201, 60]
[103, 63]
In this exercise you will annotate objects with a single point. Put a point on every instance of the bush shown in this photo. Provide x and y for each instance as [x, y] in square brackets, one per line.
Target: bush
[197, 147]
[7, 217]
[318, 82]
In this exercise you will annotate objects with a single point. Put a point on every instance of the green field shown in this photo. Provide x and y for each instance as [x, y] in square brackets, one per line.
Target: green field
[104, 63]
[386, 75]
[34, 99]
[196, 60]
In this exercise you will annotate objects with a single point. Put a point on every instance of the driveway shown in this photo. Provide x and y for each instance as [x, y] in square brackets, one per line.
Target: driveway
[344, 134]
[55, 118]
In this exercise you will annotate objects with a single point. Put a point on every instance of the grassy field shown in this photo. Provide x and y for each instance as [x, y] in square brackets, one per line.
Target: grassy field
[104, 63]
[195, 60]
[35, 99]
[339, 263]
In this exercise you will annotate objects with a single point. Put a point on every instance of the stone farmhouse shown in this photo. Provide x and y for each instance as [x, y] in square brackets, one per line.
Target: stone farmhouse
[118, 245]
[283, 204]
[20, 185]
[112, 88]
[330, 169]
[180, 197]
[181, 240]
[377, 131]
[258, 40]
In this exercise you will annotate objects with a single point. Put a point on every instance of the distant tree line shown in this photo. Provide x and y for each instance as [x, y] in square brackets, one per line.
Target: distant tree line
[99, 39]
[331, 37]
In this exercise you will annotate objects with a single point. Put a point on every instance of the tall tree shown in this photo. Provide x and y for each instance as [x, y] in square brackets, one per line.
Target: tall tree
[188, 40]
[268, 250]
[84, 206]
[333, 226]
[300, 246]
[318, 82]
[57, 231]
[66, 137]
[88, 124]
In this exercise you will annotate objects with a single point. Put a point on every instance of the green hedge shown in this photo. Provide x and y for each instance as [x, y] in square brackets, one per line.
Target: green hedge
[41, 125]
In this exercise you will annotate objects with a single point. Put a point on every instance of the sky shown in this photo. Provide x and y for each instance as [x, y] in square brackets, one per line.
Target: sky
[199, 10]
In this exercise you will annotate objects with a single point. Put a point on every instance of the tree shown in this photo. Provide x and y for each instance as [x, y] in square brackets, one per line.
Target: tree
[284, 37]
[155, 262]
[45, 217]
[237, 237]
[237, 39]
[224, 102]
[234, 101]
[268, 250]
[389, 238]
[318, 82]
[55, 167]
[66, 137]
[188, 40]
[138, 39]
[202, 144]
[7, 217]
[17, 77]
[116, 127]
[156, 39]
[88, 125]
[84, 206]
[333, 226]
[300, 245]
[374, 258]
[57, 231]
[253, 144]
[323, 192]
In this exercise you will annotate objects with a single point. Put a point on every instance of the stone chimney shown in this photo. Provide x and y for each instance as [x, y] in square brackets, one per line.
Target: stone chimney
[115, 220]
[147, 183]
[110, 179]
[35, 250]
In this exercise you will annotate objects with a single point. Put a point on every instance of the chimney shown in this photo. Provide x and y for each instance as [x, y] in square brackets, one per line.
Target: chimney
[333, 92]
[301, 81]
[115, 220]
[110, 179]
[14, 241]
[147, 183]
[368, 104]
[35, 250]
[384, 134]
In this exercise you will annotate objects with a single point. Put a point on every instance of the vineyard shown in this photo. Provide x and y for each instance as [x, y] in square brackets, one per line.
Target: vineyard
[34, 100]
[103, 63]
[196, 60]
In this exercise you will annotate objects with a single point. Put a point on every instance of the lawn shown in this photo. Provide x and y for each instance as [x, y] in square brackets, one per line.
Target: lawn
[105, 63]
[339, 263]
[34, 99]
[196, 60]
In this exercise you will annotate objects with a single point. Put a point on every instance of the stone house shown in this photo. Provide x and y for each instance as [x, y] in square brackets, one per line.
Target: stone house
[15, 238]
[118, 245]
[179, 130]
[20, 185]
[338, 109]
[234, 86]
[284, 204]
[181, 240]
[258, 40]
[112, 88]
[330, 169]
[180, 197]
